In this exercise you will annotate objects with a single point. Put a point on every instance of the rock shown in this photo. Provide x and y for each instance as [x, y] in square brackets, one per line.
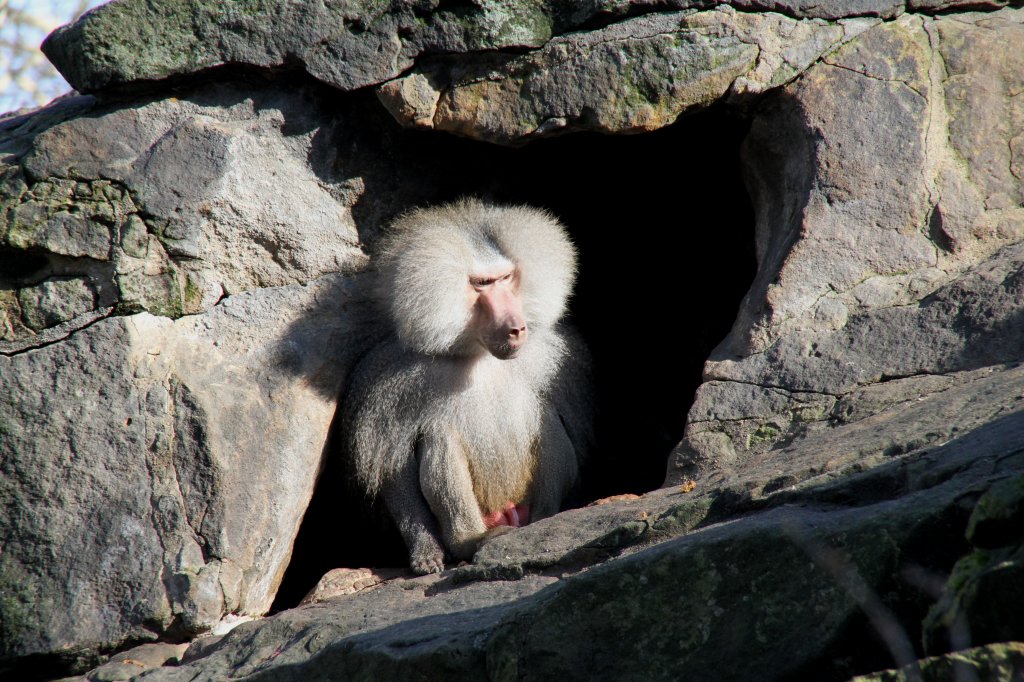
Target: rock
[613, 498]
[148, 451]
[160, 441]
[636, 75]
[344, 581]
[128, 664]
[354, 44]
[348, 45]
[184, 214]
[1004, 661]
[997, 519]
[889, 234]
[55, 301]
[982, 601]
[205, 179]
[780, 587]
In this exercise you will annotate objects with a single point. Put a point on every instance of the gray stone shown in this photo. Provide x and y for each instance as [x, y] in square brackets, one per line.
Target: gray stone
[352, 44]
[55, 301]
[769, 580]
[636, 75]
[889, 233]
[1003, 661]
[830, 9]
[129, 664]
[64, 233]
[346, 44]
[982, 600]
[208, 177]
[173, 458]
[339, 582]
[173, 206]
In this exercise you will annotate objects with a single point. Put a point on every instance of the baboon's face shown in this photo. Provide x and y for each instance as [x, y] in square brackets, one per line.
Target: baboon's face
[497, 320]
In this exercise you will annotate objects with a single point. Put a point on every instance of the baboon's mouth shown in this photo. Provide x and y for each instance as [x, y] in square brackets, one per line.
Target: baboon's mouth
[505, 351]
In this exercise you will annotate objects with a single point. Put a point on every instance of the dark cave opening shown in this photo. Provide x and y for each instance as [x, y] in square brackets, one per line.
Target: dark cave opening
[20, 268]
[666, 255]
[665, 233]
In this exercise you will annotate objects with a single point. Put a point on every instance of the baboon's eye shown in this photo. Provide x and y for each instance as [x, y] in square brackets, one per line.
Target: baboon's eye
[484, 281]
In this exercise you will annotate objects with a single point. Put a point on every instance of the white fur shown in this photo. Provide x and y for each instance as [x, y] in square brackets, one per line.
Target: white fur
[431, 252]
[448, 435]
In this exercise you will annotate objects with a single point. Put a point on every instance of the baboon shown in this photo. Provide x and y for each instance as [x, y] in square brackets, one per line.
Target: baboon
[475, 412]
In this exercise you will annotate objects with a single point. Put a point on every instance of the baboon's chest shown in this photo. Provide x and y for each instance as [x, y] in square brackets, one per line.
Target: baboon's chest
[499, 435]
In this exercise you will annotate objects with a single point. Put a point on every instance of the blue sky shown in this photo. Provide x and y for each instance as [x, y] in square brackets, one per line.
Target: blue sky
[26, 78]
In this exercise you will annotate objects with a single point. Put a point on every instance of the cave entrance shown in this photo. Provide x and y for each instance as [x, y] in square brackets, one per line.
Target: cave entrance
[665, 233]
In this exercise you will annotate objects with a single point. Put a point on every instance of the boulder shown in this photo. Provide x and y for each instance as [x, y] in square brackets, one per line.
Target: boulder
[352, 44]
[1003, 661]
[889, 235]
[165, 404]
[818, 577]
[982, 600]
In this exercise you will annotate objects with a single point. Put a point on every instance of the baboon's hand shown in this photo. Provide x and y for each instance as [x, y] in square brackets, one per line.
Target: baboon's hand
[426, 556]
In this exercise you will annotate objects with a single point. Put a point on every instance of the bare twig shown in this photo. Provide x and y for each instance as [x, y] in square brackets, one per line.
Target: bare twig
[26, 78]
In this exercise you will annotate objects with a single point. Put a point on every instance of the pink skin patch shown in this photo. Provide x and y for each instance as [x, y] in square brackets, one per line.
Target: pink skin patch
[498, 312]
[512, 514]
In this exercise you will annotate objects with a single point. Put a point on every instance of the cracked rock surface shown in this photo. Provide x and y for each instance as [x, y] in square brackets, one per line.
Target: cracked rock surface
[164, 406]
[354, 43]
[683, 586]
[180, 303]
[890, 220]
